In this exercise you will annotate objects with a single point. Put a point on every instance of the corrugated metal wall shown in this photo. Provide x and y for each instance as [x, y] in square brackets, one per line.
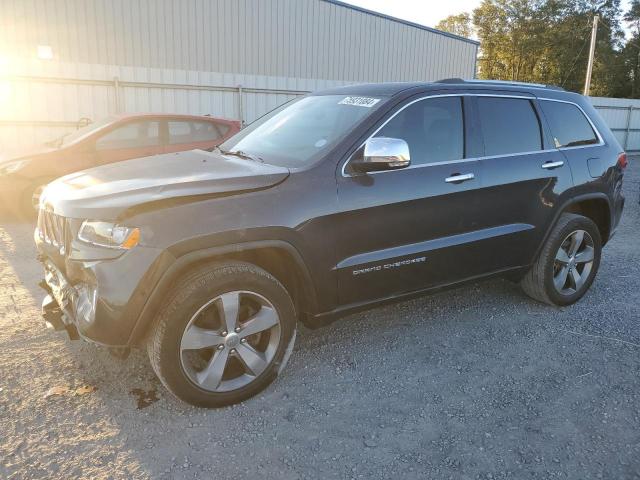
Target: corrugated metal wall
[275, 49]
[623, 117]
[280, 38]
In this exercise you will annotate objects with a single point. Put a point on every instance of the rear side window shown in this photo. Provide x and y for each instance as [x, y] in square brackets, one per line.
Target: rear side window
[136, 134]
[509, 126]
[433, 129]
[194, 132]
[569, 126]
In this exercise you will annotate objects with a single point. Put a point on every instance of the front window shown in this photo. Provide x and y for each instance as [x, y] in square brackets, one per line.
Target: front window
[137, 134]
[296, 134]
[433, 128]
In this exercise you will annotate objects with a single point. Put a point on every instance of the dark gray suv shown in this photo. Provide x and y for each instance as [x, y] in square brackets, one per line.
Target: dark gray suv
[333, 203]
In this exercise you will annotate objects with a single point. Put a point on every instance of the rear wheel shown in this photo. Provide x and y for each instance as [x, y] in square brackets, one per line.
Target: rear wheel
[568, 263]
[224, 334]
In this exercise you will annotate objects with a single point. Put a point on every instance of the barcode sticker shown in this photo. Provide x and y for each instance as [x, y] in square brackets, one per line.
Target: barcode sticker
[359, 101]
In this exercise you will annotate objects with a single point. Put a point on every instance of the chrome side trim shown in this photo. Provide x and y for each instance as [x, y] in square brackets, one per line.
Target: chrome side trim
[473, 159]
[430, 245]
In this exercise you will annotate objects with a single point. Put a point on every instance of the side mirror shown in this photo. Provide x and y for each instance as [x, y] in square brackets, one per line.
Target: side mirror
[382, 153]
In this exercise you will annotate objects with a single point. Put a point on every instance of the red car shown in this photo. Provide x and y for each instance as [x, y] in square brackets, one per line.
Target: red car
[109, 140]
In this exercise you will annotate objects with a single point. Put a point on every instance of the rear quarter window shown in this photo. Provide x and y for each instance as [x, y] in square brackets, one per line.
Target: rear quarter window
[569, 126]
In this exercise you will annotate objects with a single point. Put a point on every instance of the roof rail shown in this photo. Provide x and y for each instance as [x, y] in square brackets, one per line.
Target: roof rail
[500, 82]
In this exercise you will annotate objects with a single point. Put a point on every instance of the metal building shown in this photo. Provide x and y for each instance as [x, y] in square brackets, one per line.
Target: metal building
[64, 60]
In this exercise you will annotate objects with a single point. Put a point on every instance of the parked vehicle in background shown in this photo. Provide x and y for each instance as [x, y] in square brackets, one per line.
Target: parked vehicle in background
[336, 202]
[109, 140]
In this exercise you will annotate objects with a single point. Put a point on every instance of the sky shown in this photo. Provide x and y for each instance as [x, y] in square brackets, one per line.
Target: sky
[424, 12]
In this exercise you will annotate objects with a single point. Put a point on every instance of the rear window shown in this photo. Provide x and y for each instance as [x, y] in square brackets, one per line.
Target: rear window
[195, 131]
[509, 126]
[569, 126]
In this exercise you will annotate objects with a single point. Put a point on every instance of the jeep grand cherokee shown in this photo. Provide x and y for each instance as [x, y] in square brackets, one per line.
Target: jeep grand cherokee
[336, 202]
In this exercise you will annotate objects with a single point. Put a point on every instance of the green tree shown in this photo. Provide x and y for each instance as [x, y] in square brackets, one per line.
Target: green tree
[546, 41]
[457, 24]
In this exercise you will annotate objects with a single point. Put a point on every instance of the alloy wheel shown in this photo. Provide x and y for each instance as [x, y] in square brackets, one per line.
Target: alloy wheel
[573, 262]
[230, 341]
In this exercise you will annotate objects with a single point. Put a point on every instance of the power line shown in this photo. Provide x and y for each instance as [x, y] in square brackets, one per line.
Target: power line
[575, 60]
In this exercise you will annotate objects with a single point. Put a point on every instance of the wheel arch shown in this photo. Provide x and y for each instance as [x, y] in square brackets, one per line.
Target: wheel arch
[595, 207]
[279, 258]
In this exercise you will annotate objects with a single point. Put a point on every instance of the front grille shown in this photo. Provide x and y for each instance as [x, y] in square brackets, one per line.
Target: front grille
[52, 230]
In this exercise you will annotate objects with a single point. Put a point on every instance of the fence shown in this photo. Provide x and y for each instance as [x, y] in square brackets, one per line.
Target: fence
[623, 117]
[46, 104]
[40, 105]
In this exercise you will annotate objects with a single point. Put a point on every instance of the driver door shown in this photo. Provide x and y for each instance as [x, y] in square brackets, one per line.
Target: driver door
[408, 229]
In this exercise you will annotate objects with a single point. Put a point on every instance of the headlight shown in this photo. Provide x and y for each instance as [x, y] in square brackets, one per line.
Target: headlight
[12, 167]
[110, 235]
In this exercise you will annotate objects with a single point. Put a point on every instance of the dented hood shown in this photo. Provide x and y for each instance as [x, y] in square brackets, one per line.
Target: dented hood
[105, 192]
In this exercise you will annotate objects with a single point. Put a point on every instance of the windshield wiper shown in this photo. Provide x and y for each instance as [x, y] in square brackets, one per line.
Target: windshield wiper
[240, 154]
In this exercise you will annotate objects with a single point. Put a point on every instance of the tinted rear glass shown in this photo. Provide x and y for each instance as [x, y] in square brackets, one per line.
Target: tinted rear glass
[569, 126]
[509, 125]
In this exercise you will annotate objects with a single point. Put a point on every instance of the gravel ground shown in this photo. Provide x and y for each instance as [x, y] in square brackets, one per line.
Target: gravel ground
[478, 382]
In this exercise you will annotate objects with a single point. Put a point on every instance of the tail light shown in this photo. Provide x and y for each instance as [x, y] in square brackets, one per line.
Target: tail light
[622, 161]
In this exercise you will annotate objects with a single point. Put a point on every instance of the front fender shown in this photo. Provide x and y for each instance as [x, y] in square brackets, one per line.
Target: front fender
[184, 259]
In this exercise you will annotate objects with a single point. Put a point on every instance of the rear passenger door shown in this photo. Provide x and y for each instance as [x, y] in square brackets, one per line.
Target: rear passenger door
[191, 134]
[523, 176]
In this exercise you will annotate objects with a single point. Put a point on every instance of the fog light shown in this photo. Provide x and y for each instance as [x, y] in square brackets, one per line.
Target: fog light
[86, 302]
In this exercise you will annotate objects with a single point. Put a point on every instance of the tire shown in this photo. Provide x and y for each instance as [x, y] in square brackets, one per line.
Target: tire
[197, 309]
[542, 280]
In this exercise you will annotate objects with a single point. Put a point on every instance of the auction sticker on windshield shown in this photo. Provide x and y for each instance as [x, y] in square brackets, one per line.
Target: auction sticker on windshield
[359, 101]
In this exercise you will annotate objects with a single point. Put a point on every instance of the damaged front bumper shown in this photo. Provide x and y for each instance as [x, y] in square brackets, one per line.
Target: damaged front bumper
[66, 304]
[96, 299]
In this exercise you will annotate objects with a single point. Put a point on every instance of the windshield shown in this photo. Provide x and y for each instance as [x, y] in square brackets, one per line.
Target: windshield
[71, 137]
[295, 134]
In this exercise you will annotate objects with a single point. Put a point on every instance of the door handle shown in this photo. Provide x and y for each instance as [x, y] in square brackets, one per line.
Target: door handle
[459, 178]
[552, 165]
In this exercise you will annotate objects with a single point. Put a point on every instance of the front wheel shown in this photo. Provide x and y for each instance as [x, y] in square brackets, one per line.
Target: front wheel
[568, 262]
[223, 335]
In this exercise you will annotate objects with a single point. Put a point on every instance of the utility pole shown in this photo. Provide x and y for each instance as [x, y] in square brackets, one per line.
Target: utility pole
[592, 50]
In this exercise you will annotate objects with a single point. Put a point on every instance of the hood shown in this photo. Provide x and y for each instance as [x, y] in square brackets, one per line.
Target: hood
[103, 193]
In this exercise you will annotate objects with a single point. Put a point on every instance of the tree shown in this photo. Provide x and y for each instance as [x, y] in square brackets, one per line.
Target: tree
[546, 41]
[457, 24]
[631, 51]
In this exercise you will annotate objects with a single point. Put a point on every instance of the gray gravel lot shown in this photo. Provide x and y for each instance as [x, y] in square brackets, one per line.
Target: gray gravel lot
[477, 382]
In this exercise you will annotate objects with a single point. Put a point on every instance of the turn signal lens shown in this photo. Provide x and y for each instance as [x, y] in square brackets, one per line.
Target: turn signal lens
[132, 240]
[622, 160]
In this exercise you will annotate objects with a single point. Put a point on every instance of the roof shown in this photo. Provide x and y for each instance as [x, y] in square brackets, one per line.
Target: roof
[377, 89]
[393, 88]
[399, 20]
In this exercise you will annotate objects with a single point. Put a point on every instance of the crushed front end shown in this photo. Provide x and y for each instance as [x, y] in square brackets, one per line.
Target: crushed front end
[92, 290]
